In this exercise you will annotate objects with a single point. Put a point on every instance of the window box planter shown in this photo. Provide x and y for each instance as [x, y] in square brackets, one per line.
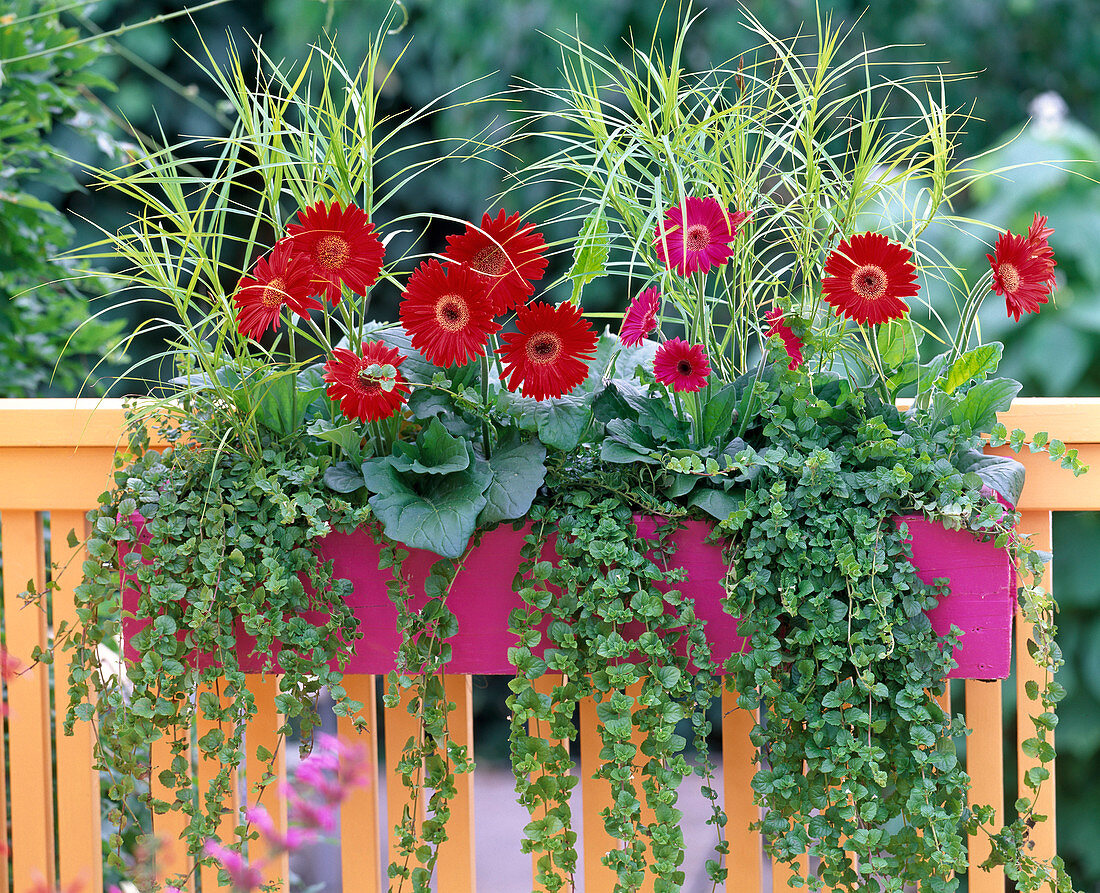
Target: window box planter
[980, 602]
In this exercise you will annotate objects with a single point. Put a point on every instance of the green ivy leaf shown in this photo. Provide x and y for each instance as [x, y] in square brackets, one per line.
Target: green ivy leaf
[518, 472]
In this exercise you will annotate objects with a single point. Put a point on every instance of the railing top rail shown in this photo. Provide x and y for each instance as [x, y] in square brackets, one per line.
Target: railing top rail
[38, 422]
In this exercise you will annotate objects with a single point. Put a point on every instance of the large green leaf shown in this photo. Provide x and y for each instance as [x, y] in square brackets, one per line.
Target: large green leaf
[436, 452]
[442, 519]
[973, 364]
[1002, 473]
[518, 472]
[898, 341]
[590, 259]
[344, 477]
[980, 405]
[280, 403]
[349, 437]
[717, 503]
[719, 412]
[614, 360]
[559, 421]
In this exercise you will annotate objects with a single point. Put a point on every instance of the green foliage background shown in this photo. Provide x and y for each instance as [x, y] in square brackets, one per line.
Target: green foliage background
[1022, 48]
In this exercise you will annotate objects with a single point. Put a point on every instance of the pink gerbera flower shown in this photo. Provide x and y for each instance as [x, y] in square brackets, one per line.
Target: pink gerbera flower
[681, 366]
[640, 318]
[696, 235]
[778, 326]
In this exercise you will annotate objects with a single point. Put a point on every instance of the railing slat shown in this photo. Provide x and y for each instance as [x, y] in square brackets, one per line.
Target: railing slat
[648, 816]
[29, 749]
[782, 873]
[360, 851]
[79, 850]
[207, 768]
[456, 854]
[399, 727]
[595, 795]
[171, 857]
[261, 732]
[1038, 525]
[544, 685]
[745, 860]
[985, 765]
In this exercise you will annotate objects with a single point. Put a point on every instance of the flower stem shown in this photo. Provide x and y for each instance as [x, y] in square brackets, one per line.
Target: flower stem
[485, 407]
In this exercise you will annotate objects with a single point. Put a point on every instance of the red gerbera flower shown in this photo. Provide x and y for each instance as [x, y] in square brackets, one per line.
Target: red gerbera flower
[343, 246]
[505, 255]
[867, 276]
[681, 366]
[447, 314]
[640, 318]
[777, 326]
[696, 235]
[363, 385]
[549, 354]
[1023, 268]
[284, 278]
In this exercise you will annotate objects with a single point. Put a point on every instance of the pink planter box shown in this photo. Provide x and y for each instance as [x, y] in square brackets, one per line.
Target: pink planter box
[981, 601]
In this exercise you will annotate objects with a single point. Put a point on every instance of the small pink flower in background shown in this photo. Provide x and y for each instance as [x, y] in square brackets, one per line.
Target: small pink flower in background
[681, 366]
[241, 875]
[777, 326]
[640, 318]
[696, 236]
[321, 783]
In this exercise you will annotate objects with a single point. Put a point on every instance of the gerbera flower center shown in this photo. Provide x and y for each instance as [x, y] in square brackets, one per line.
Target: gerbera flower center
[684, 367]
[869, 282]
[332, 252]
[697, 238]
[1010, 277]
[274, 293]
[489, 260]
[452, 313]
[543, 348]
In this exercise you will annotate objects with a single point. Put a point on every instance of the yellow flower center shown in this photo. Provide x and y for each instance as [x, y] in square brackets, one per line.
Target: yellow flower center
[274, 293]
[698, 237]
[1010, 277]
[332, 252]
[451, 313]
[489, 261]
[869, 282]
[543, 348]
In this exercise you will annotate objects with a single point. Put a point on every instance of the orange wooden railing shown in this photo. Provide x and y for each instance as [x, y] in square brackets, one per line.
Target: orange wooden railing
[55, 459]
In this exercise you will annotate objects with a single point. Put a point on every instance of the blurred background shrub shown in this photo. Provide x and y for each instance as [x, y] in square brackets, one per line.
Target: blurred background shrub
[1034, 61]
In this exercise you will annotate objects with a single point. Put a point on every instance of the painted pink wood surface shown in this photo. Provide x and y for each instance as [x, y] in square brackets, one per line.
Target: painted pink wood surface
[980, 603]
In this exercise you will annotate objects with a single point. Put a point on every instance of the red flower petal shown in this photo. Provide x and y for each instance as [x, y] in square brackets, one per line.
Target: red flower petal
[362, 395]
[792, 343]
[343, 246]
[1023, 268]
[549, 355]
[505, 255]
[867, 276]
